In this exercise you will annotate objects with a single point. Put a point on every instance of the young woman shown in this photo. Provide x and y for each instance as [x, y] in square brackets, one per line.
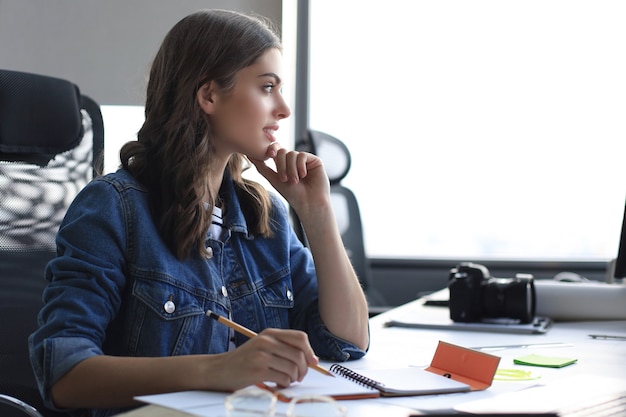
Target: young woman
[144, 252]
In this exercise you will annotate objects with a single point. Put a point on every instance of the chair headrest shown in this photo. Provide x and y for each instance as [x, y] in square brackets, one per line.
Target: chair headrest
[333, 152]
[40, 117]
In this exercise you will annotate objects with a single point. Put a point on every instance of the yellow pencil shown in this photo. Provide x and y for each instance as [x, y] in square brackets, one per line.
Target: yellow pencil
[249, 333]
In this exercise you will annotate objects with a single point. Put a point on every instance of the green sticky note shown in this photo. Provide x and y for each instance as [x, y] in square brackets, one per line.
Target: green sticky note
[540, 360]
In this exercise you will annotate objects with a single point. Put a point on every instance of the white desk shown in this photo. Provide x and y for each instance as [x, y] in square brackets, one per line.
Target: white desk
[392, 346]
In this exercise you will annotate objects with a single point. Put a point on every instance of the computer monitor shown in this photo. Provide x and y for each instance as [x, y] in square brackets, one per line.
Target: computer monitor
[619, 268]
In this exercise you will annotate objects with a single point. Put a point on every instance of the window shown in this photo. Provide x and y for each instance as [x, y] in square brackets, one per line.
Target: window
[482, 129]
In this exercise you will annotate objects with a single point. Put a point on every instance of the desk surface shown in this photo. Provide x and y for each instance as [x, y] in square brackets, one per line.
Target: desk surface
[392, 347]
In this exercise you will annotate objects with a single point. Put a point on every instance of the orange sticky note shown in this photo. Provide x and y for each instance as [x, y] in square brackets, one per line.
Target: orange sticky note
[474, 368]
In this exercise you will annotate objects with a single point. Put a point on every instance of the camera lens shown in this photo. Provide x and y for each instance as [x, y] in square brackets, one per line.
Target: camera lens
[510, 297]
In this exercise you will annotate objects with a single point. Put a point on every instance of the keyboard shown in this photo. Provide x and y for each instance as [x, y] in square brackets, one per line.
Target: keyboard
[611, 405]
[580, 395]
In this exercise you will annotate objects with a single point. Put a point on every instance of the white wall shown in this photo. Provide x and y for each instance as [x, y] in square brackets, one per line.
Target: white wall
[105, 47]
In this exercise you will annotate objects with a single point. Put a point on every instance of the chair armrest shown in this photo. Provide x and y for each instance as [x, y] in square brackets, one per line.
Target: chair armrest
[20, 405]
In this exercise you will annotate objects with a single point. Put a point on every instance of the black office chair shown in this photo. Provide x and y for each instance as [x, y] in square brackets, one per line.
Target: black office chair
[51, 145]
[337, 162]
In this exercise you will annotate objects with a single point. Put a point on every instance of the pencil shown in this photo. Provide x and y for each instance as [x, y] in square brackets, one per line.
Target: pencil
[249, 333]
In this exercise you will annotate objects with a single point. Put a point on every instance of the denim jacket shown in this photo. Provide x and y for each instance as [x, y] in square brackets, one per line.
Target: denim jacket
[116, 289]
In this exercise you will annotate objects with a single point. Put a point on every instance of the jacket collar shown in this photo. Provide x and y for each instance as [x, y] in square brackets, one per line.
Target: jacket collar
[234, 219]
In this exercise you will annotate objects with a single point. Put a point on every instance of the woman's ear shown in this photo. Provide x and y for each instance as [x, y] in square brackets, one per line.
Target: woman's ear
[206, 97]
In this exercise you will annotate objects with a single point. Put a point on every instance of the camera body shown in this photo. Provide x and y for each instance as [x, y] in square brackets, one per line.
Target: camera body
[475, 295]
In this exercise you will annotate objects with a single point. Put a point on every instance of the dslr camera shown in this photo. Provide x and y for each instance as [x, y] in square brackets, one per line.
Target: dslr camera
[476, 296]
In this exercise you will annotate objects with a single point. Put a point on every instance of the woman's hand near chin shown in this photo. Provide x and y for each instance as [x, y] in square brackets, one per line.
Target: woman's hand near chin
[299, 177]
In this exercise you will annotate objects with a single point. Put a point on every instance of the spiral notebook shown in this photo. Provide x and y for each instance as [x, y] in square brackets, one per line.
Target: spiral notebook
[453, 369]
[349, 384]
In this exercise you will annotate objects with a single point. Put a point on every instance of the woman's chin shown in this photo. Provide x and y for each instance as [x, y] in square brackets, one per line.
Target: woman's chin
[258, 155]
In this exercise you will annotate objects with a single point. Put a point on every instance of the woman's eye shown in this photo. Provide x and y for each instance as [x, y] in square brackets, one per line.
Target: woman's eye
[268, 87]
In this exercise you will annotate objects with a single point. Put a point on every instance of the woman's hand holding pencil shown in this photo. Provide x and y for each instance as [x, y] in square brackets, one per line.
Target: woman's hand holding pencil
[280, 355]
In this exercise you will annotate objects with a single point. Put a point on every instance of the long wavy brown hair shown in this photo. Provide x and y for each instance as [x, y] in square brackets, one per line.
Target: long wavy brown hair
[174, 151]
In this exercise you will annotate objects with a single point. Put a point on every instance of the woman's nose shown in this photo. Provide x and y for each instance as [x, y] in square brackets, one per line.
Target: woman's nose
[282, 109]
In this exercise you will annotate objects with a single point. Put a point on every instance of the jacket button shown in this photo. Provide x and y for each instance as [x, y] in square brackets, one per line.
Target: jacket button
[224, 291]
[169, 307]
[289, 294]
[209, 252]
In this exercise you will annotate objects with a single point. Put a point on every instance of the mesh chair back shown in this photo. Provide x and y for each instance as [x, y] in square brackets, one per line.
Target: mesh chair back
[50, 138]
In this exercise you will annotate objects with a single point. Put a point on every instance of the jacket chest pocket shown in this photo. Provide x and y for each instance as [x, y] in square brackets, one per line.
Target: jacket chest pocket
[168, 318]
[277, 300]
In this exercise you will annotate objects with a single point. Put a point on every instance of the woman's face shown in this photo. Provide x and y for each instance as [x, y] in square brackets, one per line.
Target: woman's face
[245, 118]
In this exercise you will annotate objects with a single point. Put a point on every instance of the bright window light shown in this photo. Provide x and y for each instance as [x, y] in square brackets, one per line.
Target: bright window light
[121, 124]
[483, 129]
[478, 129]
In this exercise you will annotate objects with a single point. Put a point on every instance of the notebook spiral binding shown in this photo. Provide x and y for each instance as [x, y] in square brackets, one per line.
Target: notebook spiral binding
[354, 376]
